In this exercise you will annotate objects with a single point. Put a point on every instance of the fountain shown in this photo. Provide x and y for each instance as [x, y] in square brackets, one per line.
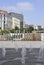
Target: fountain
[16, 47]
[30, 55]
[41, 53]
[3, 52]
[23, 54]
[30, 49]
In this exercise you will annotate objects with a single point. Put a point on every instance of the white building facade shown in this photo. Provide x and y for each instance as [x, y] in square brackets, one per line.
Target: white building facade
[11, 20]
[15, 22]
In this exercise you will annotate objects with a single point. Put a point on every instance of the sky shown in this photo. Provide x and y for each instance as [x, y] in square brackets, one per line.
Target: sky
[33, 10]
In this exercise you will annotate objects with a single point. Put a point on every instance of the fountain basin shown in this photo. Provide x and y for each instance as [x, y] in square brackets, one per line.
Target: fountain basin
[22, 52]
[28, 44]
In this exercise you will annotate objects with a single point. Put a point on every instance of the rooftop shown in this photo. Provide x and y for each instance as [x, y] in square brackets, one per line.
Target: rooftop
[3, 12]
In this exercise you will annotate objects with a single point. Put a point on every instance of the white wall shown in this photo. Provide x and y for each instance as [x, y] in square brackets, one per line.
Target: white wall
[19, 44]
[42, 36]
[15, 22]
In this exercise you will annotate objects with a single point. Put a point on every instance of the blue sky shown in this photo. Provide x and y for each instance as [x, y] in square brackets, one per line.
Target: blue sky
[33, 10]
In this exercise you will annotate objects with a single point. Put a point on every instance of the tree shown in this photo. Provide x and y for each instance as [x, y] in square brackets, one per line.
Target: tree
[16, 29]
[26, 30]
[21, 30]
[4, 32]
[30, 29]
[12, 31]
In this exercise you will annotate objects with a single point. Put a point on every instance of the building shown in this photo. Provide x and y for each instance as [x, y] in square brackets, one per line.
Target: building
[15, 22]
[38, 27]
[14, 19]
[27, 25]
[35, 27]
[10, 20]
[2, 21]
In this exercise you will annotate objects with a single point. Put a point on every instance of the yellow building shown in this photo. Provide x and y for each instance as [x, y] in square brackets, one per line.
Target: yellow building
[15, 22]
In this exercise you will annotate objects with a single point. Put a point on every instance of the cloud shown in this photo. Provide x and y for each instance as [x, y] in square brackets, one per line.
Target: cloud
[8, 8]
[25, 6]
[20, 6]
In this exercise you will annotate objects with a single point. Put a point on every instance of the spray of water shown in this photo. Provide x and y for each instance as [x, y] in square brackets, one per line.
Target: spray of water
[23, 54]
[16, 47]
[41, 52]
[3, 52]
[30, 49]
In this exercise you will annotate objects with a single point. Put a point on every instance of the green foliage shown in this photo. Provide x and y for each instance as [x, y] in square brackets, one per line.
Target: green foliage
[4, 32]
[16, 28]
[30, 29]
[26, 30]
[12, 31]
[35, 29]
[21, 30]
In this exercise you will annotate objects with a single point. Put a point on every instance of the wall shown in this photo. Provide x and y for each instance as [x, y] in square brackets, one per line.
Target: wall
[15, 22]
[42, 36]
[19, 44]
[32, 37]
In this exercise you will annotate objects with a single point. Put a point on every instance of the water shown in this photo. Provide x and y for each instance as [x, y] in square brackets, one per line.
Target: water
[23, 53]
[25, 57]
[3, 52]
[30, 49]
[41, 52]
[16, 47]
[22, 56]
